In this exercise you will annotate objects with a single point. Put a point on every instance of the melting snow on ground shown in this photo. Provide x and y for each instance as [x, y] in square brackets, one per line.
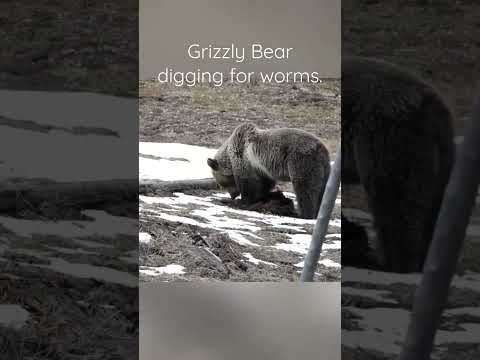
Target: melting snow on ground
[101, 224]
[86, 126]
[254, 230]
[255, 261]
[241, 225]
[162, 270]
[144, 237]
[172, 161]
[383, 330]
[381, 325]
[13, 316]
[49, 241]
[470, 281]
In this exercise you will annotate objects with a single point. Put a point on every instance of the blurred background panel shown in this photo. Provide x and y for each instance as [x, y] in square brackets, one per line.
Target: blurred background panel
[239, 321]
[311, 27]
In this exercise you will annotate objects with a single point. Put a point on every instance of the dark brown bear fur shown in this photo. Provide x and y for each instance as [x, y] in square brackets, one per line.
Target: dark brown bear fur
[397, 141]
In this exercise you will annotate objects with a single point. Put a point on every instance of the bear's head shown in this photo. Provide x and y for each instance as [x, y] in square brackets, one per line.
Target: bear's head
[223, 176]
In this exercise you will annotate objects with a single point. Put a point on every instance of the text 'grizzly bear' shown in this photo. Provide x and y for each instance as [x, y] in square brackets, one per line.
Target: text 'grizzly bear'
[251, 160]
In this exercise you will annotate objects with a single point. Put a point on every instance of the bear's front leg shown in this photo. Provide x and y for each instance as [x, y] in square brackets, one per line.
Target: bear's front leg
[251, 190]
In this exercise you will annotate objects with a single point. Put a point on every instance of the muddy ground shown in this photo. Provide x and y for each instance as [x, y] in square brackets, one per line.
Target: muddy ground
[206, 116]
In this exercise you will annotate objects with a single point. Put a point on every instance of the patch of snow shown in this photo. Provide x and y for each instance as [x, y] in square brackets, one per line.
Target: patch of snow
[329, 263]
[240, 238]
[470, 281]
[172, 269]
[77, 110]
[472, 311]
[255, 261]
[171, 164]
[289, 195]
[219, 220]
[324, 262]
[300, 243]
[221, 195]
[383, 330]
[469, 335]
[337, 236]
[219, 217]
[102, 225]
[235, 235]
[68, 165]
[377, 295]
[273, 220]
[13, 316]
[144, 237]
[335, 222]
[88, 271]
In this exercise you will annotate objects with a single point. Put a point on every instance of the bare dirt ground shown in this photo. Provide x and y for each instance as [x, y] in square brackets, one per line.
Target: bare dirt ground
[206, 116]
[439, 41]
[70, 45]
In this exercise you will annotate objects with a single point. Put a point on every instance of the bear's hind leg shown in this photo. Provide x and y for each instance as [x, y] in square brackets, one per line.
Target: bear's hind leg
[308, 194]
[401, 191]
[306, 200]
[308, 179]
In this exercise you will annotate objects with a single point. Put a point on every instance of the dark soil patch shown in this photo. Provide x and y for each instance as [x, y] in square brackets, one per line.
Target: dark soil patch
[275, 203]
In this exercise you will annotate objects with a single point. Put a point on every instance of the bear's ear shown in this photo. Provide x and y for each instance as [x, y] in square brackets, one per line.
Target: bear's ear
[212, 163]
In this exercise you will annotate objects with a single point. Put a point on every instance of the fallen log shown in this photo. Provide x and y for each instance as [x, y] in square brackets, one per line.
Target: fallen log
[33, 193]
[154, 186]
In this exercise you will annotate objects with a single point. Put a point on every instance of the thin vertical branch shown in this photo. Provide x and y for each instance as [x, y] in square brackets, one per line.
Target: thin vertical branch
[323, 218]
